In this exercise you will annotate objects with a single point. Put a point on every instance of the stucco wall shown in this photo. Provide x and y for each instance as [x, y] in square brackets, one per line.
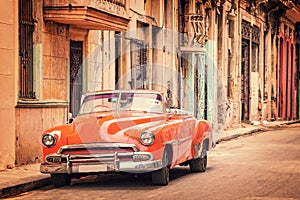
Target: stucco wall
[100, 61]
[51, 49]
[55, 61]
[31, 122]
[8, 61]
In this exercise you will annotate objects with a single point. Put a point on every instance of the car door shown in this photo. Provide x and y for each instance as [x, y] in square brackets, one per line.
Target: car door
[184, 138]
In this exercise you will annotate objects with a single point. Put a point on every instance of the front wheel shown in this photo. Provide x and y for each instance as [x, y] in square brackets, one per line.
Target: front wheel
[60, 180]
[199, 164]
[162, 176]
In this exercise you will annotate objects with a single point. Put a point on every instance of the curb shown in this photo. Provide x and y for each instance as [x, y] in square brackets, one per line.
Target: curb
[234, 136]
[292, 122]
[24, 187]
[259, 129]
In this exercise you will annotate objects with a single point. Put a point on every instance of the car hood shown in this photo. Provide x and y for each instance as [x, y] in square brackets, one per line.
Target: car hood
[113, 127]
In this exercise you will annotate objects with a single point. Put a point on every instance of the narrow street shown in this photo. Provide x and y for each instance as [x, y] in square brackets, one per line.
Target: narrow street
[261, 166]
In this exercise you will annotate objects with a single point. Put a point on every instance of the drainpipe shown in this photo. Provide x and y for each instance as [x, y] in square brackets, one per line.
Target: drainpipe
[179, 57]
[265, 89]
[239, 61]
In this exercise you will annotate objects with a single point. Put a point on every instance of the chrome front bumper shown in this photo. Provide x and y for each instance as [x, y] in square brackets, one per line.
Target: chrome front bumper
[140, 162]
[132, 167]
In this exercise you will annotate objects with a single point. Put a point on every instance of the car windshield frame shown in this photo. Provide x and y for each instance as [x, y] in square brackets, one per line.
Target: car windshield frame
[122, 101]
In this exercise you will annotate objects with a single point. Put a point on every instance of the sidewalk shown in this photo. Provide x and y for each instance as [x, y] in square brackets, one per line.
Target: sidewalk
[248, 129]
[28, 177]
[22, 179]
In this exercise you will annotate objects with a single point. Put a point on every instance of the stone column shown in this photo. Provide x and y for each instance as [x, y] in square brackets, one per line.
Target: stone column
[201, 84]
[267, 77]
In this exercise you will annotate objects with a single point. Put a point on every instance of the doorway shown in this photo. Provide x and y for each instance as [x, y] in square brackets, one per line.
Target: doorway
[245, 89]
[75, 75]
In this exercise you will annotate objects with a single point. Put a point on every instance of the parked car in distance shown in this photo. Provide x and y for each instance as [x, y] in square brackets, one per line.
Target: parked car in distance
[125, 131]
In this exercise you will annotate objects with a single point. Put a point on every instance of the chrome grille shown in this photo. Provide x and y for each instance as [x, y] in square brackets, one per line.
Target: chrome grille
[97, 153]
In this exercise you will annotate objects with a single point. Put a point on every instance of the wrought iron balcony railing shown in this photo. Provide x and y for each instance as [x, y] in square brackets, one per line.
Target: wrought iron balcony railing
[194, 30]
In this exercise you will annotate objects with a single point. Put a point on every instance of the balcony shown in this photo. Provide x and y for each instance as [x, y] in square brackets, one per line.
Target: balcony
[89, 14]
[194, 32]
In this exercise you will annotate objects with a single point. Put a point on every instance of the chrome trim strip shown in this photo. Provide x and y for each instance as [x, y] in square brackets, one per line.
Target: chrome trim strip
[107, 155]
[172, 142]
[97, 145]
[184, 139]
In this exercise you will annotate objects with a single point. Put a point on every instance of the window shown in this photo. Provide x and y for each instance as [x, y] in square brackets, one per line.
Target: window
[26, 28]
[138, 54]
[255, 48]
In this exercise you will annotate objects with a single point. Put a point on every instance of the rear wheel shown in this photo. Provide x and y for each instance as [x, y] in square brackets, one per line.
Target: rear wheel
[60, 180]
[199, 164]
[162, 176]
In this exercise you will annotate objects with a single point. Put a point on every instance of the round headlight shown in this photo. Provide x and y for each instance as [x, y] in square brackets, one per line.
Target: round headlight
[147, 138]
[48, 140]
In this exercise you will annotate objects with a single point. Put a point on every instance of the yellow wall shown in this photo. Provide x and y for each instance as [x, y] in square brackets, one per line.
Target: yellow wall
[8, 63]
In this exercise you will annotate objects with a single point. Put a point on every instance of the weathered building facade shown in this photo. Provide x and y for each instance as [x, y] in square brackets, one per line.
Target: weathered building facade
[258, 57]
[43, 61]
[225, 61]
[288, 62]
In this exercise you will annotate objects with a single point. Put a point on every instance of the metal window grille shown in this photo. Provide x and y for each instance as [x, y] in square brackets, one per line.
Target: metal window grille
[246, 30]
[138, 64]
[75, 75]
[26, 28]
[252, 34]
[255, 34]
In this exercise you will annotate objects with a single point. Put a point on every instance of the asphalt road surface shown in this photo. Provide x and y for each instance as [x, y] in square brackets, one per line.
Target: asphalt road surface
[261, 166]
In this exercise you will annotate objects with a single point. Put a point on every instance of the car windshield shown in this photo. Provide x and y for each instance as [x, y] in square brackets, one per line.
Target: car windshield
[122, 101]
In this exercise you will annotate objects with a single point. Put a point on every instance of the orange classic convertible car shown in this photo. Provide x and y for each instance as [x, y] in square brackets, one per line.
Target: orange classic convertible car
[125, 131]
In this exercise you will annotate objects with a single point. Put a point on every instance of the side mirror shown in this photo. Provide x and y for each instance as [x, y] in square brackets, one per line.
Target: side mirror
[70, 118]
